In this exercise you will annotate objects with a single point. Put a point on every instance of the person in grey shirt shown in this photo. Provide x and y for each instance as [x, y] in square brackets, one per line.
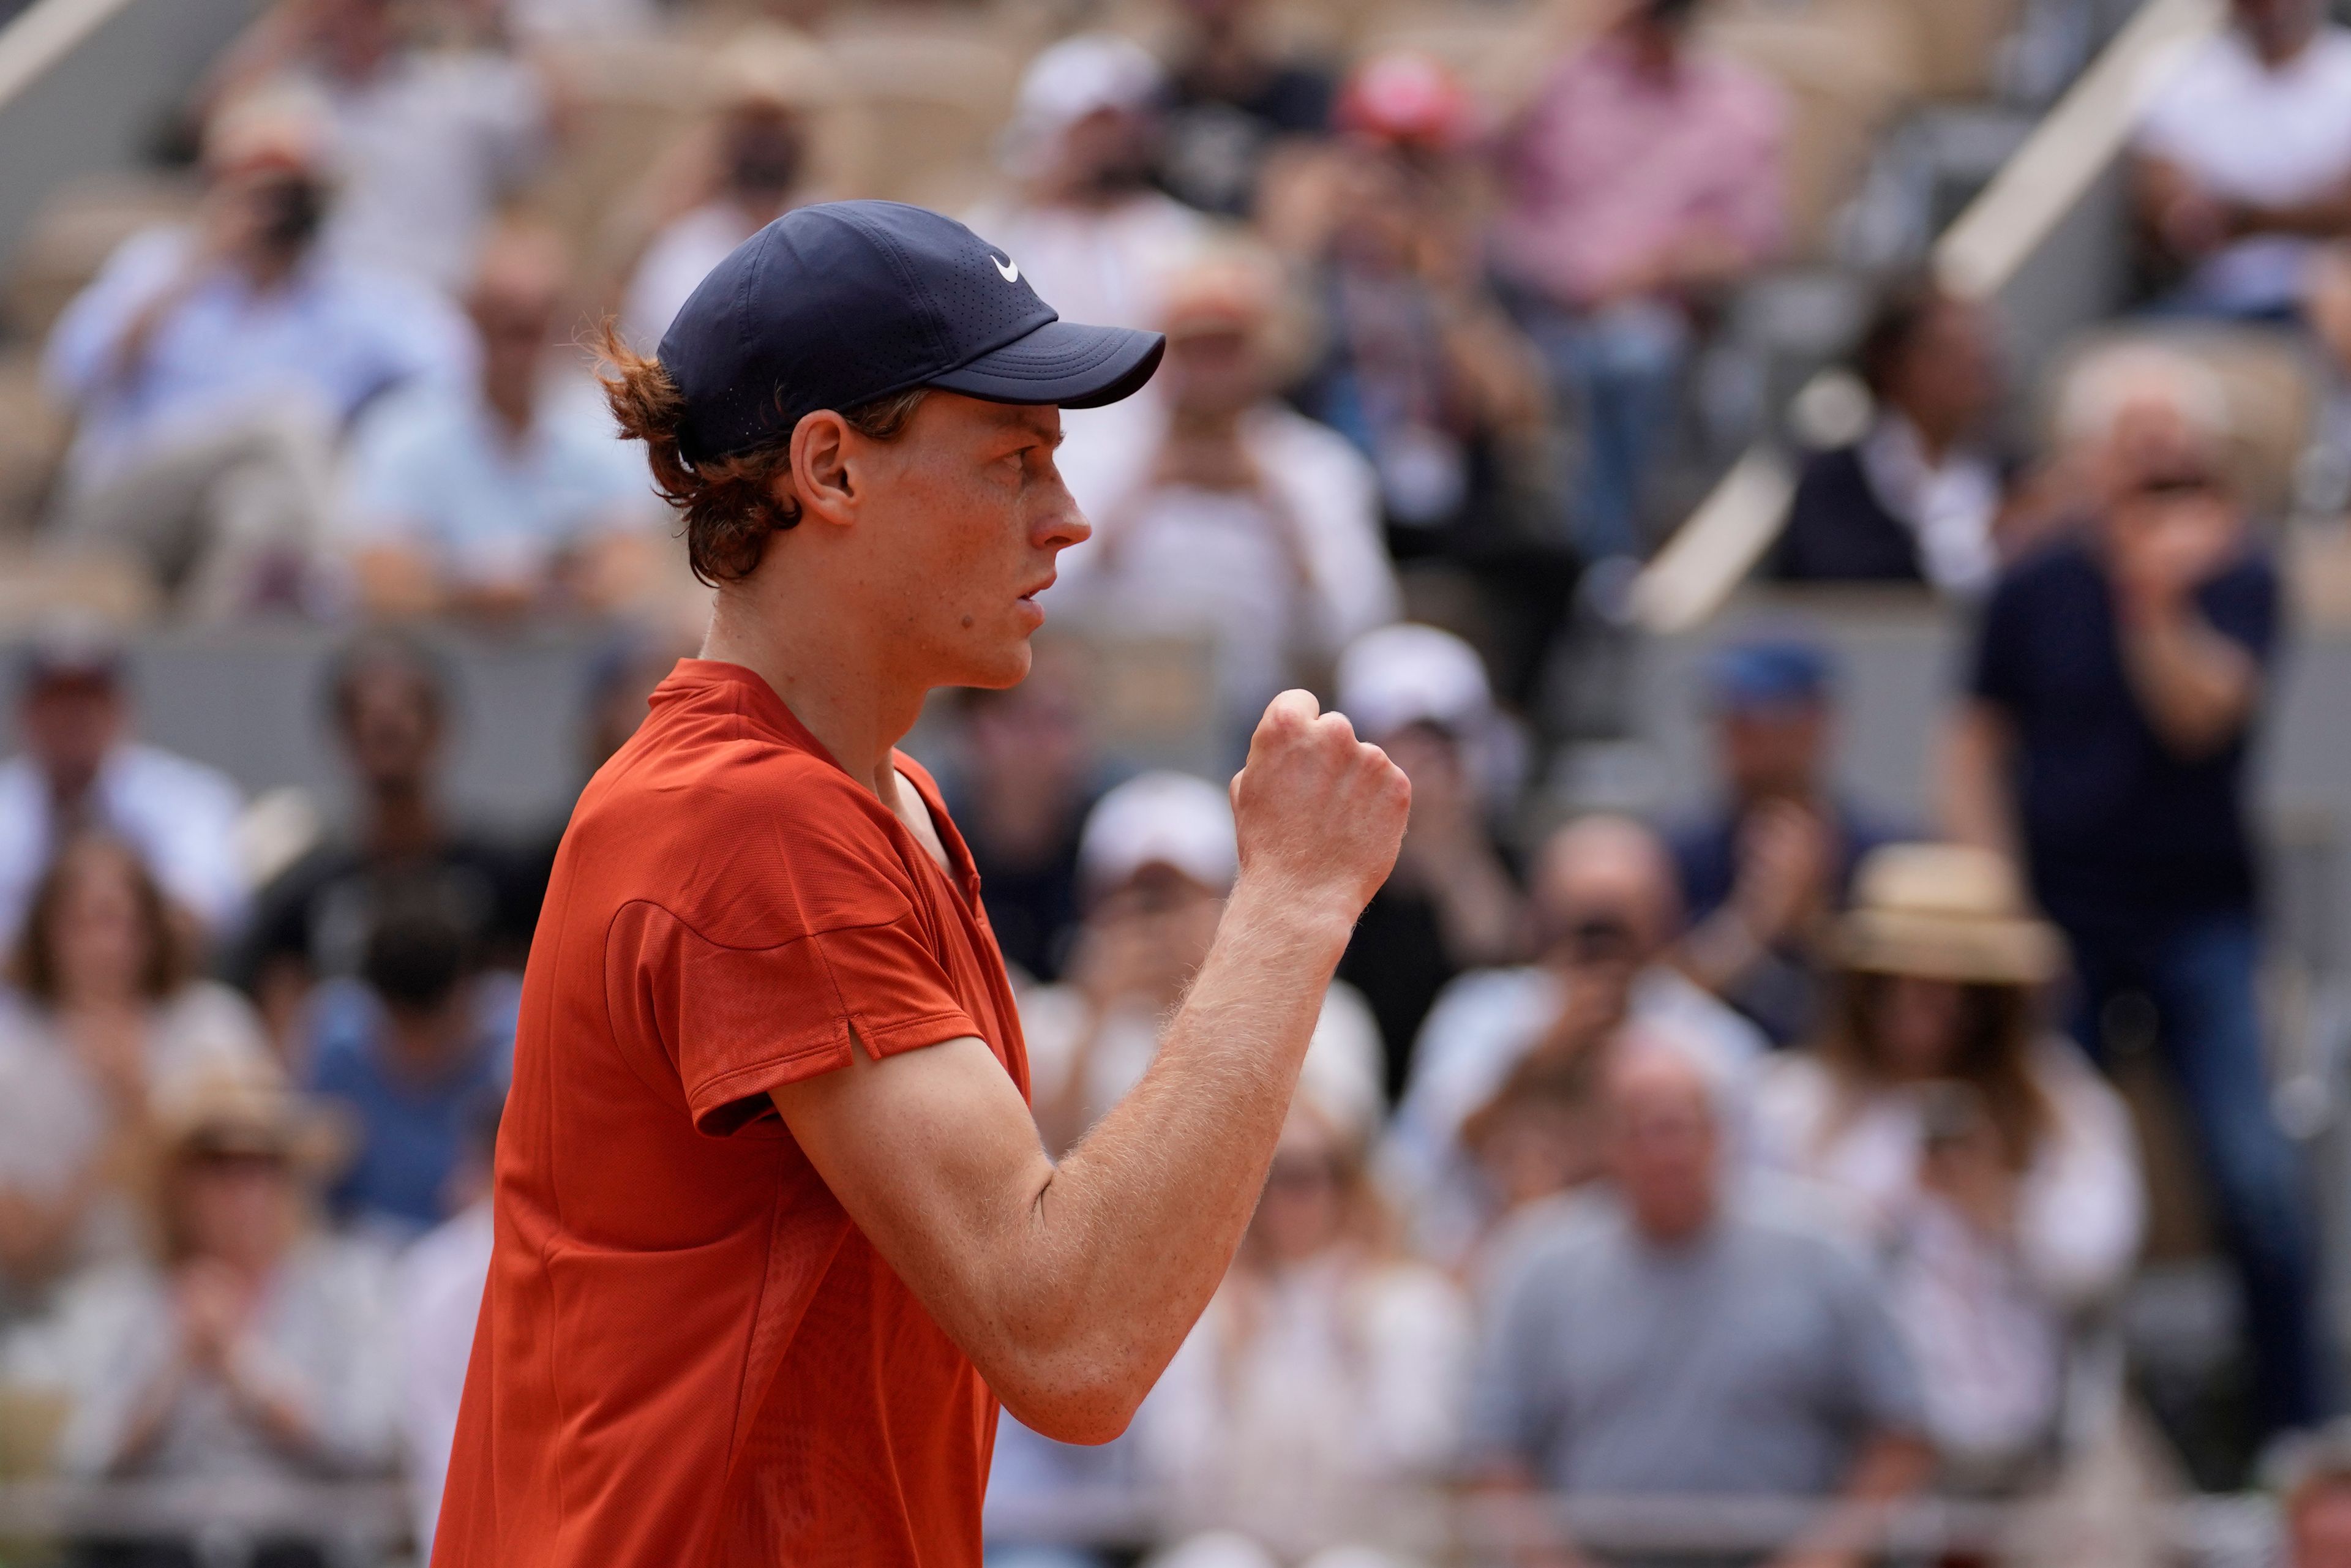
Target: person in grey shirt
[1665, 1338]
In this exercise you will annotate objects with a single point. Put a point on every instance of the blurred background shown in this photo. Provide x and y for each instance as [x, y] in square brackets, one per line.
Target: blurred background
[1838, 505]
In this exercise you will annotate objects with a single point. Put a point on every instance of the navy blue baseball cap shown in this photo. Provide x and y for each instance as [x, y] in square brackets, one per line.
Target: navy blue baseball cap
[835, 305]
[1769, 673]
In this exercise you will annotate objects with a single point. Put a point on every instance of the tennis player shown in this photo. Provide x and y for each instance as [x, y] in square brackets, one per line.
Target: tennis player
[775, 1230]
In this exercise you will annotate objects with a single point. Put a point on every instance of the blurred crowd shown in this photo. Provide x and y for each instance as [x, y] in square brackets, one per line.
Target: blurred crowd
[1770, 1150]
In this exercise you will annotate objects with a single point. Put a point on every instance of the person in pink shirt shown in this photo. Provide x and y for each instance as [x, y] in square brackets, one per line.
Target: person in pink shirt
[1645, 175]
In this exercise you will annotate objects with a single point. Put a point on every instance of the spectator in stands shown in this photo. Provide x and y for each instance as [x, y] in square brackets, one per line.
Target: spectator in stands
[1606, 916]
[1234, 518]
[510, 494]
[1155, 863]
[1452, 903]
[732, 180]
[1762, 872]
[1328, 1369]
[1026, 781]
[1994, 1167]
[1232, 101]
[257, 1351]
[1918, 498]
[1645, 175]
[1085, 226]
[80, 770]
[2245, 159]
[432, 140]
[209, 370]
[389, 703]
[1676, 1340]
[438, 1290]
[408, 1054]
[2117, 682]
[1421, 369]
[105, 1010]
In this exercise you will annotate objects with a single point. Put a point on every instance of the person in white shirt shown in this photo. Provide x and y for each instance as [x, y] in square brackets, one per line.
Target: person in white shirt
[1918, 497]
[433, 141]
[82, 771]
[210, 368]
[1983, 1152]
[2244, 158]
[1156, 859]
[1606, 913]
[1328, 1372]
[1224, 514]
[514, 493]
[731, 179]
[1081, 220]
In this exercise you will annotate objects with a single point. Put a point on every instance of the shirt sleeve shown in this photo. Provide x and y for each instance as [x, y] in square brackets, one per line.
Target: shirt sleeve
[1504, 1421]
[84, 341]
[809, 936]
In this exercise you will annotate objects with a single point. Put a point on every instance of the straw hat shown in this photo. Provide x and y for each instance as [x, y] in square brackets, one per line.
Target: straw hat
[249, 1108]
[1945, 911]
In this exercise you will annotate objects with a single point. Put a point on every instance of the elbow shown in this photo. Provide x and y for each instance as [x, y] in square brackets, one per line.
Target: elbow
[1074, 1398]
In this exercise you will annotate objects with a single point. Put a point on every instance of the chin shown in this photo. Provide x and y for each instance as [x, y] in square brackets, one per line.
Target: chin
[994, 669]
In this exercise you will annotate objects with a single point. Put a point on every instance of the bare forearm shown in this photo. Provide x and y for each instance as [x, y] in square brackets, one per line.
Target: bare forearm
[2195, 685]
[1974, 804]
[1131, 1235]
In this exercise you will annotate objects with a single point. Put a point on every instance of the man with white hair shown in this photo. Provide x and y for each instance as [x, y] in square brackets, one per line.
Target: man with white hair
[1673, 1338]
[2104, 737]
[1606, 913]
[209, 369]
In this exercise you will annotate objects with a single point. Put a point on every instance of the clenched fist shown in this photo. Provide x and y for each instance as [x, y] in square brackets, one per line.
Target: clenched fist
[1320, 813]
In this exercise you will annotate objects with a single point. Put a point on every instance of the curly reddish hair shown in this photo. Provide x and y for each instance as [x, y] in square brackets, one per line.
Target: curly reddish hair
[730, 504]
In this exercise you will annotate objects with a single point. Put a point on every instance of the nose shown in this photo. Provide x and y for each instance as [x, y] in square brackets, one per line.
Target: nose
[1060, 523]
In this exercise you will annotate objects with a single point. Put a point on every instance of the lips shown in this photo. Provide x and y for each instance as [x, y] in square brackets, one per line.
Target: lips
[1039, 587]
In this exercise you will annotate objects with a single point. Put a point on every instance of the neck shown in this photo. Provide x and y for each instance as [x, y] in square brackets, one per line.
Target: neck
[838, 679]
[510, 397]
[402, 821]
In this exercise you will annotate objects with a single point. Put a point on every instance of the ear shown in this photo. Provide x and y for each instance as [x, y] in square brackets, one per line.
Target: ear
[821, 479]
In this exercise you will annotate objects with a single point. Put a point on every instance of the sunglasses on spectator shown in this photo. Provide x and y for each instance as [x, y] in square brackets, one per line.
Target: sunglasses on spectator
[2176, 486]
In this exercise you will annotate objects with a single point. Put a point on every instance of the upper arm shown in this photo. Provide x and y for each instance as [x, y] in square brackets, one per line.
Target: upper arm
[935, 1156]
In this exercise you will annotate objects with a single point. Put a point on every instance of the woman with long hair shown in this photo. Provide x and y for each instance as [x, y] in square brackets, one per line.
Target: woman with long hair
[104, 1004]
[1980, 1150]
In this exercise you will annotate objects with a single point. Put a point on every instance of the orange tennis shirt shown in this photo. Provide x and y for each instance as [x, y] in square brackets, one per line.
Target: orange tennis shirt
[687, 1353]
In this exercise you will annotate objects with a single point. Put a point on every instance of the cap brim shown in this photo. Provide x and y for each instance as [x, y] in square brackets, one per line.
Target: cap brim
[1061, 362]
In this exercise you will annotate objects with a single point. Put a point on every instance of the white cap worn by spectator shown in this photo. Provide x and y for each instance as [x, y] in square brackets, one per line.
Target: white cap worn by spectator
[1161, 817]
[1179, 821]
[1409, 674]
[1078, 77]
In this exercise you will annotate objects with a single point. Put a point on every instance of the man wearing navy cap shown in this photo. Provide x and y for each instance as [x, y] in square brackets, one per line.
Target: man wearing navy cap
[774, 1228]
[1762, 871]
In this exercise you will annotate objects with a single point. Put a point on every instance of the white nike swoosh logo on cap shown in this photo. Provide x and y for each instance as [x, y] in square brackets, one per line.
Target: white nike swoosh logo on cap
[1010, 270]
